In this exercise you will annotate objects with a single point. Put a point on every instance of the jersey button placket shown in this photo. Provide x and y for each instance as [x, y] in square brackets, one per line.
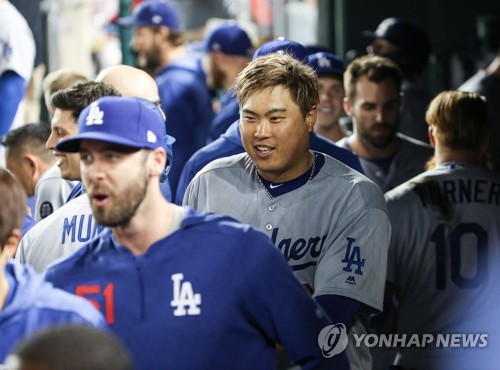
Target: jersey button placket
[271, 208]
[269, 227]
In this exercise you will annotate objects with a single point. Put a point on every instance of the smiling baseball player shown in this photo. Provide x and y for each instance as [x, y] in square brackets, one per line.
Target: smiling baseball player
[327, 220]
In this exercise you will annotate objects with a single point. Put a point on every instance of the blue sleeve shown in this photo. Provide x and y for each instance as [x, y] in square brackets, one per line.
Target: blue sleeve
[285, 311]
[11, 94]
[340, 309]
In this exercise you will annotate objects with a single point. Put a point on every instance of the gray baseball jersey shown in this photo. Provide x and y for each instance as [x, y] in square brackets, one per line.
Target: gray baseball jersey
[408, 162]
[333, 231]
[51, 192]
[446, 231]
[63, 232]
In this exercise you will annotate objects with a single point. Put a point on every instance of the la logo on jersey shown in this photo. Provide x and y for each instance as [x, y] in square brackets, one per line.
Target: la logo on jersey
[184, 297]
[353, 257]
[95, 115]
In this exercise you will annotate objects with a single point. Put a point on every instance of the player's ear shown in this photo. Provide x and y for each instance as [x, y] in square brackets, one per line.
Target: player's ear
[158, 161]
[10, 247]
[164, 32]
[347, 106]
[432, 137]
[32, 163]
[311, 117]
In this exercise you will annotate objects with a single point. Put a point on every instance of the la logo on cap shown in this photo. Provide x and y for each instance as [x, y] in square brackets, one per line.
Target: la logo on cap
[156, 19]
[324, 62]
[95, 115]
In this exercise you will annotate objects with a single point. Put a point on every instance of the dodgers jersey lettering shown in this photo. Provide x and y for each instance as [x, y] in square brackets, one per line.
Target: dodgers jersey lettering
[213, 293]
[443, 252]
[60, 234]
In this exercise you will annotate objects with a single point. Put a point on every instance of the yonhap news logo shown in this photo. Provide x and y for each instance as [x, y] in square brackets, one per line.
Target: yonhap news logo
[333, 339]
[455, 340]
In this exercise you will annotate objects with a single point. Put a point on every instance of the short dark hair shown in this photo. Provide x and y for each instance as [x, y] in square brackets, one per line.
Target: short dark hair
[30, 137]
[75, 347]
[13, 207]
[272, 70]
[77, 97]
[375, 68]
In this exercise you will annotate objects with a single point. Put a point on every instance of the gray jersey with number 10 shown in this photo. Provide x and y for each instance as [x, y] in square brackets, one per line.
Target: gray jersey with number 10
[444, 247]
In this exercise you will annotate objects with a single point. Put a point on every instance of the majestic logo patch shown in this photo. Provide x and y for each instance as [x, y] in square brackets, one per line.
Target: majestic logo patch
[95, 115]
[351, 280]
[184, 297]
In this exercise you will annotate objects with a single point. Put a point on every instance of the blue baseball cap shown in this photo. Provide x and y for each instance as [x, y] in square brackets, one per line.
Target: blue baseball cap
[229, 38]
[326, 63]
[153, 13]
[403, 34]
[280, 45]
[132, 122]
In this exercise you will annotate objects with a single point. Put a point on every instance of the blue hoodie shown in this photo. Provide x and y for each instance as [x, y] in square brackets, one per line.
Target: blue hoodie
[33, 304]
[187, 104]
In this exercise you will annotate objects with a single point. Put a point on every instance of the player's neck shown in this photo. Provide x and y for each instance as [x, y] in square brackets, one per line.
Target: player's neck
[444, 155]
[366, 150]
[171, 54]
[333, 133]
[151, 222]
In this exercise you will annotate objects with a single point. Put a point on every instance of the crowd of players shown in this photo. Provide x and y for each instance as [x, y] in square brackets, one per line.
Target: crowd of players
[230, 238]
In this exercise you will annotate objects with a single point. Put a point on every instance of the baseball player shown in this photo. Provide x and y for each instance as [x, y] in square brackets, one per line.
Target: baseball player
[409, 47]
[446, 231]
[27, 303]
[230, 142]
[17, 54]
[373, 100]
[180, 288]
[73, 225]
[330, 69]
[34, 167]
[228, 49]
[327, 220]
[186, 100]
